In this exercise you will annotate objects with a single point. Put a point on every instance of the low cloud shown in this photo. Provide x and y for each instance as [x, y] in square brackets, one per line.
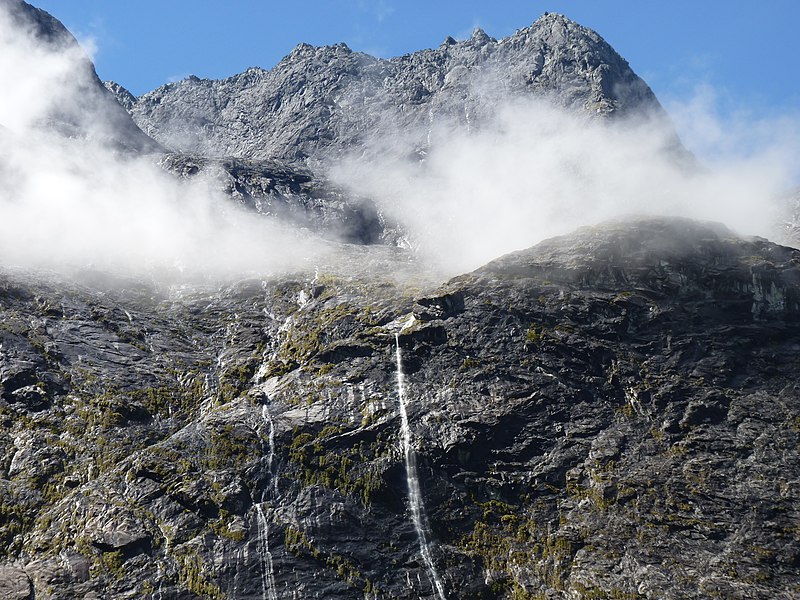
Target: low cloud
[70, 198]
[726, 136]
[534, 171]
[529, 172]
[72, 203]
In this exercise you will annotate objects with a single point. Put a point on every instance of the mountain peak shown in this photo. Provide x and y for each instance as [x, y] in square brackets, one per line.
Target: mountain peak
[325, 100]
[83, 107]
[557, 29]
[39, 24]
[305, 50]
[554, 17]
[479, 36]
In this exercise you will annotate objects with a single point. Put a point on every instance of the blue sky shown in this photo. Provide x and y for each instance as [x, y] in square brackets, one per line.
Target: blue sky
[746, 51]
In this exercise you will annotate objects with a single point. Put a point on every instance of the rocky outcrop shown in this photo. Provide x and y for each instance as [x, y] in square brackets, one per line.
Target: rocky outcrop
[322, 101]
[612, 413]
[123, 96]
[14, 584]
[790, 224]
[289, 193]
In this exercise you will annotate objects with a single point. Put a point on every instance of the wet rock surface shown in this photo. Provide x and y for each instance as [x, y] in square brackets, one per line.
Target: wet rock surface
[612, 413]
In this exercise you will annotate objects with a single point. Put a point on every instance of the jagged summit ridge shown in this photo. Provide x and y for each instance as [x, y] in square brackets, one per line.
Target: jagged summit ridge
[323, 100]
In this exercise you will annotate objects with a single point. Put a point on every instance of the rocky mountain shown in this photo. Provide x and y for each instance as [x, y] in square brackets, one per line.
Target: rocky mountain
[322, 101]
[89, 109]
[610, 414]
[83, 108]
[290, 193]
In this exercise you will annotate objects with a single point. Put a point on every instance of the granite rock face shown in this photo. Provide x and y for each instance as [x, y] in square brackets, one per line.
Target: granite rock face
[322, 101]
[612, 413]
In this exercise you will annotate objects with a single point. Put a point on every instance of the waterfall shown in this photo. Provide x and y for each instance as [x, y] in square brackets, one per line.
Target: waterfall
[273, 481]
[412, 479]
[267, 570]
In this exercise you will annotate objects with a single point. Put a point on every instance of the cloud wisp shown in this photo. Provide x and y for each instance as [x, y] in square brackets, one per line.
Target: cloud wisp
[71, 197]
[534, 171]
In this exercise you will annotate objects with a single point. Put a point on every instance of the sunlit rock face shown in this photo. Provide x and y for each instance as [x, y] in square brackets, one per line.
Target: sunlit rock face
[613, 410]
[322, 101]
[612, 413]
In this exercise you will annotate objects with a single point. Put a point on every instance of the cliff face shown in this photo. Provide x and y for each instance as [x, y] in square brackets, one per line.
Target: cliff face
[322, 101]
[609, 414]
[612, 413]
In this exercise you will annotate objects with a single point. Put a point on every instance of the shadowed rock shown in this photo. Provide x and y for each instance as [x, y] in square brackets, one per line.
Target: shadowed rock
[611, 412]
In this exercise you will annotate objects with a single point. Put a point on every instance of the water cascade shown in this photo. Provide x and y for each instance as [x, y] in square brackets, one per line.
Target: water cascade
[267, 570]
[412, 479]
[273, 481]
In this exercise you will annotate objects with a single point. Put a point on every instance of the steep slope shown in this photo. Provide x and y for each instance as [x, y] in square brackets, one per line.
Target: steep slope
[613, 413]
[79, 106]
[324, 100]
[82, 107]
[610, 414]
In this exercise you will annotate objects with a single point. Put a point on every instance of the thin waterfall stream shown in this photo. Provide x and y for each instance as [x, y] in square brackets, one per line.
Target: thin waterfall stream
[412, 479]
[267, 570]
